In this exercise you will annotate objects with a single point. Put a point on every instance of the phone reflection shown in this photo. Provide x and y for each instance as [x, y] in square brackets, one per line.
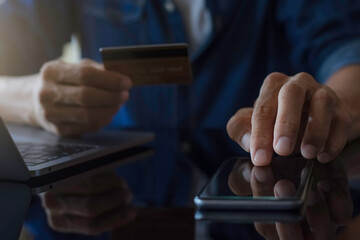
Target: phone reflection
[328, 204]
[284, 178]
[92, 206]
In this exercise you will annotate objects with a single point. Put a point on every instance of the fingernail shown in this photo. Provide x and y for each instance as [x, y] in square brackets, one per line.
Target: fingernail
[309, 151]
[245, 141]
[261, 158]
[324, 157]
[246, 173]
[283, 145]
[285, 190]
[276, 193]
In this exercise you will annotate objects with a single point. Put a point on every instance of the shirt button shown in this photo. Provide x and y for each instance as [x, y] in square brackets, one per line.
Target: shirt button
[169, 6]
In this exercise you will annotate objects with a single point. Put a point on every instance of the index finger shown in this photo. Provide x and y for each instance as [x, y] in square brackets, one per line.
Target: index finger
[86, 75]
[263, 119]
[99, 78]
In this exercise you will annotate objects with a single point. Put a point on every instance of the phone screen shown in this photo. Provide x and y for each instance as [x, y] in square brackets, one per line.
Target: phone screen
[238, 179]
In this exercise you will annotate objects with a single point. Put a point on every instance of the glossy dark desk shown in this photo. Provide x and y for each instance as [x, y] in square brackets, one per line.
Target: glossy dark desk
[163, 187]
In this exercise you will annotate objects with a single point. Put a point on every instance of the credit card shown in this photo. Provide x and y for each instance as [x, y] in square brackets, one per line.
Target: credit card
[150, 64]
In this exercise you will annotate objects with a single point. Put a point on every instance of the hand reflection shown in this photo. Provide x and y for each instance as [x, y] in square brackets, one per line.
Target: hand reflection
[328, 206]
[95, 205]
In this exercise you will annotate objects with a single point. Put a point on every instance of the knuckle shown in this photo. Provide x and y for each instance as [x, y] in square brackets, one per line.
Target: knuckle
[293, 85]
[85, 71]
[294, 88]
[273, 78]
[263, 110]
[326, 97]
[303, 76]
[270, 87]
[47, 71]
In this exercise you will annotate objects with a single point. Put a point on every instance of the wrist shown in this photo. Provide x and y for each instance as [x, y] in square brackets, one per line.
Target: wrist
[346, 84]
[16, 99]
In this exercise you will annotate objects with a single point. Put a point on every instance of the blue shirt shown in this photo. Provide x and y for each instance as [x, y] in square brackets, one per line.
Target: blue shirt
[250, 39]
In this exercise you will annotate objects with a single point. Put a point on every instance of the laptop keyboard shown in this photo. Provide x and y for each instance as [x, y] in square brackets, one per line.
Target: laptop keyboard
[35, 153]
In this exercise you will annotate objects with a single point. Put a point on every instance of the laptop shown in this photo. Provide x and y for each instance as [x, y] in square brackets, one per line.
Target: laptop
[27, 152]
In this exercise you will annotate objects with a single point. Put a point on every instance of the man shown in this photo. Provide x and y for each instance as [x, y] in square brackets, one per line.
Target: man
[235, 45]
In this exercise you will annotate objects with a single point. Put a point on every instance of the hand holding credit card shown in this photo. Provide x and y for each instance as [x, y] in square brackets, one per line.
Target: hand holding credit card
[150, 64]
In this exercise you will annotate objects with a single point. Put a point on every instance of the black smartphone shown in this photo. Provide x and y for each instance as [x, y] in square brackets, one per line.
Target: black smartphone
[239, 189]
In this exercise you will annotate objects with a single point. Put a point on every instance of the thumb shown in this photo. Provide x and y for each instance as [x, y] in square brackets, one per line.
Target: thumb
[239, 127]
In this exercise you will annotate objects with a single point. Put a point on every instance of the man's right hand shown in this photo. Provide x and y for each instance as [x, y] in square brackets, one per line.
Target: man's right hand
[73, 99]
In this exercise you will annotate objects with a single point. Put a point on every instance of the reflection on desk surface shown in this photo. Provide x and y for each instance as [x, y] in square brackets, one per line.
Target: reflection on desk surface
[14, 202]
[153, 198]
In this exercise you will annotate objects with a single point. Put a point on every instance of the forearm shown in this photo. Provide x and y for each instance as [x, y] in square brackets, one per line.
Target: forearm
[346, 84]
[16, 99]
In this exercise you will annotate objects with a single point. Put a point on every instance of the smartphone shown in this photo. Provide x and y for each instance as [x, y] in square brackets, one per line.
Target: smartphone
[239, 189]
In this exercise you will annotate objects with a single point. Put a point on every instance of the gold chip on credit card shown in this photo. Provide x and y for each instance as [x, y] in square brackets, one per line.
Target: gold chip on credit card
[150, 64]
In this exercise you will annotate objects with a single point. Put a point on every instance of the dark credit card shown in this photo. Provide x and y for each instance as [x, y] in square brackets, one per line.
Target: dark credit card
[150, 64]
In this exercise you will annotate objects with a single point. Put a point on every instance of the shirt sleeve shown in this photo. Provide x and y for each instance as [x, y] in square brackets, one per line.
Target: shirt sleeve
[324, 35]
[31, 33]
